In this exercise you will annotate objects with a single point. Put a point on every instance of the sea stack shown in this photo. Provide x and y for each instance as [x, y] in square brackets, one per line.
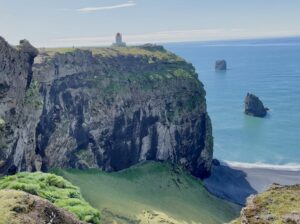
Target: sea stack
[254, 106]
[221, 65]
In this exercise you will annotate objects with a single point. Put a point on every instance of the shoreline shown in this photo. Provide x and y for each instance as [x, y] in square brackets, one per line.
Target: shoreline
[242, 165]
[235, 182]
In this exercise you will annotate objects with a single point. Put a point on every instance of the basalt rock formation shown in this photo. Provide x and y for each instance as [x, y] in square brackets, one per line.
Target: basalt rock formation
[221, 65]
[279, 204]
[254, 106]
[16, 132]
[106, 108]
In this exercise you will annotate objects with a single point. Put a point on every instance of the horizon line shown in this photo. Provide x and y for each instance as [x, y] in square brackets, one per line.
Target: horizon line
[187, 41]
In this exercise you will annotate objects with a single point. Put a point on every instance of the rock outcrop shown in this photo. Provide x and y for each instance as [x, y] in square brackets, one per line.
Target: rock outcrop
[254, 106]
[53, 188]
[18, 207]
[280, 204]
[17, 132]
[221, 65]
[103, 108]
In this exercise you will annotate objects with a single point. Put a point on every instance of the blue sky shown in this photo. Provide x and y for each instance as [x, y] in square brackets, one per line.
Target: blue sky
[94, 22]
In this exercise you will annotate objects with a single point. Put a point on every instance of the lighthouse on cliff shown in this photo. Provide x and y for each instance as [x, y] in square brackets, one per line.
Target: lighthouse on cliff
[119, 41]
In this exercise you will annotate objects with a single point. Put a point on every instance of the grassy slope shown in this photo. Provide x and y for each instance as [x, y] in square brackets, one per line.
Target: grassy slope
[155, 52]
[147, 188]
[55, 189]
[273, 206]
[7, 206]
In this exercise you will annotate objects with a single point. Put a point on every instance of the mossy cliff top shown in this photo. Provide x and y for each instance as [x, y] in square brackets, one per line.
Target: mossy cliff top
[53, 188]
[149, 62]
[279, 204]
[149, 50]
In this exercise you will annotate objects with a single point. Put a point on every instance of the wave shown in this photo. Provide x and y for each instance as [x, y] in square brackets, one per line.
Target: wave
[284, 167]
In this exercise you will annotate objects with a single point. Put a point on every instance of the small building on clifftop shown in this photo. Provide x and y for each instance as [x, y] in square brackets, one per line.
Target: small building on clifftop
[119, 41]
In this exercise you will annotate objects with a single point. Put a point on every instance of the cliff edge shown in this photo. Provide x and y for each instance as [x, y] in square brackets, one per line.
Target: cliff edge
[107, 108]
[279, 204]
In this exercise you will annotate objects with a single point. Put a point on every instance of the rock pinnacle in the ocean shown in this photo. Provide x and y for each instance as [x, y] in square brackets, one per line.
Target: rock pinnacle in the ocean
[254, 106]
[221, 65]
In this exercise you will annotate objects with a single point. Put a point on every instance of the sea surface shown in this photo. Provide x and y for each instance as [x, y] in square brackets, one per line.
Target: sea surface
[271, 70]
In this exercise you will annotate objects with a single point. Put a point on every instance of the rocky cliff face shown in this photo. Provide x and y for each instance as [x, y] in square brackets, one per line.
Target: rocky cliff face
[15, 131]
[107, 108]
[279, 204]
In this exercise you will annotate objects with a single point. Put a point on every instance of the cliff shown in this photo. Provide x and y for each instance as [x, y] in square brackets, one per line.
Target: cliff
[15, 130]
[107, 108]
[279, 204]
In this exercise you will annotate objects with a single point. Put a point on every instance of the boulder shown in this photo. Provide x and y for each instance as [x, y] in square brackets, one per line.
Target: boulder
[221, 65]
[254, 106]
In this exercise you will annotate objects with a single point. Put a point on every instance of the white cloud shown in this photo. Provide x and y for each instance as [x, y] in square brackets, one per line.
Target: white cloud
[170, 36]
[111, 7]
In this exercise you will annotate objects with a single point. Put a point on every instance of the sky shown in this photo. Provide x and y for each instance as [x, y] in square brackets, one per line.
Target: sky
[56, 23]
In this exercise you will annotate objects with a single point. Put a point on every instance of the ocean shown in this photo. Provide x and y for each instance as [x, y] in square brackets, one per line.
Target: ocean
[269, 69]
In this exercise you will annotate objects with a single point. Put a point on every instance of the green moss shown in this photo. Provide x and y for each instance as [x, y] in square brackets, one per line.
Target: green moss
[53, 51]
[277, 202]
[32, 97]
[183, 73]
[55, 189]
[124, 196]
[2, 124]
[153, 53]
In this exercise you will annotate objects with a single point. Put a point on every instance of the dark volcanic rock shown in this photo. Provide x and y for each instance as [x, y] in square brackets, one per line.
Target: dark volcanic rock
[17, 117]
[27, 48]
[108, 109]
[254, 106]
[221, 65]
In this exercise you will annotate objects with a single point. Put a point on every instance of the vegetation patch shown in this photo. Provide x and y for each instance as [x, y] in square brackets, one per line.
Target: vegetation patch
[33, 96]
[2, 124]
[56, 190]
[152, 52]
[279, 204]
[150, 192]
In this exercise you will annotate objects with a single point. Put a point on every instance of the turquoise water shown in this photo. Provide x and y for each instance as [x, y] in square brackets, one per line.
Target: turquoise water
[269, 70]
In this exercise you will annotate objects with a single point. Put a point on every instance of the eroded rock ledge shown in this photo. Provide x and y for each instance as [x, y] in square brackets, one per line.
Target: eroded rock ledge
[279, 204]
[106, 108]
